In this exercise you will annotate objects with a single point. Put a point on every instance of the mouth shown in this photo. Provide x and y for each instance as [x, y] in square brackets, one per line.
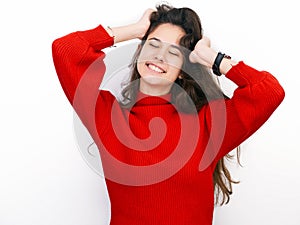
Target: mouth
[155, 68]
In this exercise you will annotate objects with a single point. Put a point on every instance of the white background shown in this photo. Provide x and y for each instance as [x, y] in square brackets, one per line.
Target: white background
[45, 180]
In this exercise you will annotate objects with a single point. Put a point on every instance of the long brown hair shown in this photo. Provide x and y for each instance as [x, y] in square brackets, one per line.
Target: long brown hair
[199, 89]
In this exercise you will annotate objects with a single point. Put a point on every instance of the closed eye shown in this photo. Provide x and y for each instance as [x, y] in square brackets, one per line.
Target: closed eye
[174, 51]
[154, 43]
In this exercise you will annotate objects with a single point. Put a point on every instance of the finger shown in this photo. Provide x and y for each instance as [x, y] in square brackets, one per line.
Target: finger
[148, 12]
[193, 57]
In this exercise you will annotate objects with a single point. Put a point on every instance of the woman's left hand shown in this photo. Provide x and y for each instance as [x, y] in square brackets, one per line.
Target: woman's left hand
[203, 53]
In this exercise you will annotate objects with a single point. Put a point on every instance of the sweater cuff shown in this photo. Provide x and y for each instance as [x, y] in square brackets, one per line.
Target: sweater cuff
[242, 74]
[98, 38]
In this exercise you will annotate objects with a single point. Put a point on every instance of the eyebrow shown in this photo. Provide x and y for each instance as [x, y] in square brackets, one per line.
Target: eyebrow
[172, 45]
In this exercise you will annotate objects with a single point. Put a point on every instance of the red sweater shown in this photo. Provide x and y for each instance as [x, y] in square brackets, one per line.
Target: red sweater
[159, 172]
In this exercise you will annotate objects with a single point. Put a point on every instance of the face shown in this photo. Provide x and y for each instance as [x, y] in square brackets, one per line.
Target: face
[160, 60]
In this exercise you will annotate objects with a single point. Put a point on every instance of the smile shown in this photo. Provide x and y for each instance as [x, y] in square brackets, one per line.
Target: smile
[155, 68]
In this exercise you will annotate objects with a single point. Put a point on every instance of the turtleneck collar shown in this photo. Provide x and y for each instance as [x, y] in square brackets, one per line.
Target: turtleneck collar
[144, 99]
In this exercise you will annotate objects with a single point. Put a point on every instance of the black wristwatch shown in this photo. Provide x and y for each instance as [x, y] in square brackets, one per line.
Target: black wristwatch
[217, 62]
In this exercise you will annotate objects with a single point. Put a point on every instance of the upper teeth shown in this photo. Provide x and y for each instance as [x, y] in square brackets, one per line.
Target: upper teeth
[155, 68]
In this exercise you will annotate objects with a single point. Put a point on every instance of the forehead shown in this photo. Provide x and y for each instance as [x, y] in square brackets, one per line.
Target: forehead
[168, 33]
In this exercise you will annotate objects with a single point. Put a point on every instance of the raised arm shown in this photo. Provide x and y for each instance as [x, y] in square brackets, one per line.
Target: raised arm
[74, 53]
[78, 60]
[233, 120]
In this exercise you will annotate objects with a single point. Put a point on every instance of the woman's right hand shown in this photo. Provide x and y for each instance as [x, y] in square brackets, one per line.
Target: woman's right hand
[144, 23]
[131, 31]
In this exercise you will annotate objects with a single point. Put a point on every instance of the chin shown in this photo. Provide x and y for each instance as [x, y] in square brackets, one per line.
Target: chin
[156, 80]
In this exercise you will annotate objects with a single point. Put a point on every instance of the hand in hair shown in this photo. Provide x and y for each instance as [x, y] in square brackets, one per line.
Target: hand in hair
[144, 22]
[131, 31]
[206, 56]
[203, 53]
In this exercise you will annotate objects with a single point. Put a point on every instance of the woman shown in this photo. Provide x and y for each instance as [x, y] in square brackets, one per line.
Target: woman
[163, 145]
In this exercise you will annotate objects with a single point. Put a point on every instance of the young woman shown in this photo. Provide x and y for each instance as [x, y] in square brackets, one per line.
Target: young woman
[163, 146]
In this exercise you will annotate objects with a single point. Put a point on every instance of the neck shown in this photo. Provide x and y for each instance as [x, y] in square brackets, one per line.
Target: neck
[155, 90]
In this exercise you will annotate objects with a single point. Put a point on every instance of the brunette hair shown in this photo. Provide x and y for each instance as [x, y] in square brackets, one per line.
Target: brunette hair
[199, 89]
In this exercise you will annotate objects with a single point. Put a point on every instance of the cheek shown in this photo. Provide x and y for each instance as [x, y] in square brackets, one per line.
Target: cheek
[175, 62]
[145, 54]
[174, 70]
[174, 73]
[139, 67]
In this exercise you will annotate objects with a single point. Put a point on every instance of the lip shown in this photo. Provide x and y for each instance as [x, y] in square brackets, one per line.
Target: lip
[153, 64]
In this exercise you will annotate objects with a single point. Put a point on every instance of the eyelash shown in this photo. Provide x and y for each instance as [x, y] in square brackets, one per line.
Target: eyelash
[157, 46]
[173, 53]
[153, 45]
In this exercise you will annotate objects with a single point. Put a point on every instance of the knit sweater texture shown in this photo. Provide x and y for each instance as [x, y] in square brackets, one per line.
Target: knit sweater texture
[158, 161]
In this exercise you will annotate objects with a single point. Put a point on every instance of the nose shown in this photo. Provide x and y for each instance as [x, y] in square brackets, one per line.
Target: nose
[161, 54]
[159, 57]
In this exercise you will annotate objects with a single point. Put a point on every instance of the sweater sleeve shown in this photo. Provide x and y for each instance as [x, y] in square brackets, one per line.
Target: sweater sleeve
[74, 53]
[78, 60]
[233, 120]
